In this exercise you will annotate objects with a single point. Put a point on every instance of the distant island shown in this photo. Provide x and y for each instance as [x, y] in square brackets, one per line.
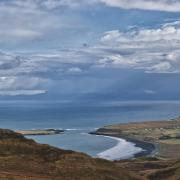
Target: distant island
[36, 132]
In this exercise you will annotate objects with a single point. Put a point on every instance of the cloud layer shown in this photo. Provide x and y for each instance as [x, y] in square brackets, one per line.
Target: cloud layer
[29, 28]
[155, 5]
[147, 50]
[22, 92]
[36, 21]
[153, 50]
[30, 21]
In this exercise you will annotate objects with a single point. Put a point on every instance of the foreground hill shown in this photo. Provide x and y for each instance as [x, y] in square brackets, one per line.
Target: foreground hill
[24, 159]
[153, 168]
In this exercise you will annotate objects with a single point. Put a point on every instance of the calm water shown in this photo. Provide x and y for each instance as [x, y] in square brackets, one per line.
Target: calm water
[79, 120]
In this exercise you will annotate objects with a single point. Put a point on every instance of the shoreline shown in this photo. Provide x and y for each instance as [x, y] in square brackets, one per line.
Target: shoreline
[148, 149]
[157, 138]
[122, 144]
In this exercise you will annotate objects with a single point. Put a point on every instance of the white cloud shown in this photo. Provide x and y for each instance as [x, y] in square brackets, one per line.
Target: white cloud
[20, 82]
[22, 92]
[22, 21]
[148, 91]
[20, 33]
[155, 50]
[161, 67]
[149, 35]
[17, 36]
[152, 50]
[15, 85]
[159, 5]
[115, 60]
[74, 70]
[25, 21]
[51, 4]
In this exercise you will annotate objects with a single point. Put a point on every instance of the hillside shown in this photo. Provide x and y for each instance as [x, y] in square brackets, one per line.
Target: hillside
[153, 168]
[24, 159]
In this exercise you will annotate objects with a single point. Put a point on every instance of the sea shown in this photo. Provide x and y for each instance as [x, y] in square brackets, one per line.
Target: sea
[79, 119]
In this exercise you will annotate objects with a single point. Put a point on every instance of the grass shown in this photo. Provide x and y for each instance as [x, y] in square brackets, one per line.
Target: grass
[21, 158]
[171, 141]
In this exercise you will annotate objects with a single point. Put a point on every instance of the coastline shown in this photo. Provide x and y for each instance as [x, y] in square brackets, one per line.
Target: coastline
[125, 148]
[148, 148]
[121, 151]
[157, 138]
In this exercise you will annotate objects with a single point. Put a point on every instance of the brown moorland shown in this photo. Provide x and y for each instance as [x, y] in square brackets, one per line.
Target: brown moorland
[24, 159]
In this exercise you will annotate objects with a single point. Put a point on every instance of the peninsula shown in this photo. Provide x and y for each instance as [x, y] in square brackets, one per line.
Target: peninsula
[36, 132]
[158, 138]
[161, 142]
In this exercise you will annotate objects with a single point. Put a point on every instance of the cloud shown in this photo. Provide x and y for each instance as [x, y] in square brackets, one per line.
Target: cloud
[152, 50]
[25, 21]
[34, 5]
[40, 20]
[148, 91]
[74, 70]
[15, 85]
[45, 22]
[155, 5]
[22, 92]
[32, 71]
[19, 30]
[149, 50]
[20, 33]
[149, 35]
[49, 4]
[20, 82]
[161, 67]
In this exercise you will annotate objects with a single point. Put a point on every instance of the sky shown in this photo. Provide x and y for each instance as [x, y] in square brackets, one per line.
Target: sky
[89, 50]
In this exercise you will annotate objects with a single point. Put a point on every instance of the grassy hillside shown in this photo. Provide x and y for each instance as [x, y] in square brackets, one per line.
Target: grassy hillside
[24, 159]
[153, 168]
